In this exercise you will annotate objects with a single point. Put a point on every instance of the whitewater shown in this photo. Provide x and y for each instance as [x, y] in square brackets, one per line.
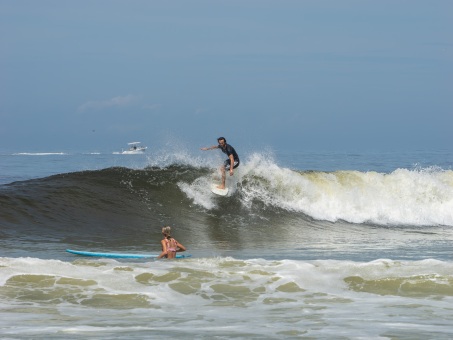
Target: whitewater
[404, 196]
[317, 245]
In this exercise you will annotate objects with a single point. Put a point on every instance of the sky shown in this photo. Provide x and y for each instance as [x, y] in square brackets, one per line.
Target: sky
[350, 75]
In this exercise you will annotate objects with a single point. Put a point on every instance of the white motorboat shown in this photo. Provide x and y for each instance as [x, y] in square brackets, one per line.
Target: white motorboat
[134, 148]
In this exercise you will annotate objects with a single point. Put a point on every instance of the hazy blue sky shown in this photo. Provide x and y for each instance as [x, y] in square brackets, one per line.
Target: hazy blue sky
[308, 75]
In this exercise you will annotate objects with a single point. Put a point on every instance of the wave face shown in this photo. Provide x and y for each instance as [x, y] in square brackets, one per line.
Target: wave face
[258, 190]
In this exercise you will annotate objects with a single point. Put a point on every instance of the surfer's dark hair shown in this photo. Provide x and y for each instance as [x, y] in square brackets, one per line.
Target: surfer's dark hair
[218, 139]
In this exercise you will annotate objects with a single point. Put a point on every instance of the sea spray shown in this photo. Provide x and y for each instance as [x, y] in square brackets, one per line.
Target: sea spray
[409, 197]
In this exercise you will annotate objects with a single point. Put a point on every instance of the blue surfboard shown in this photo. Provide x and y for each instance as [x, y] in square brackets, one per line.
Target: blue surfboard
[121, 256]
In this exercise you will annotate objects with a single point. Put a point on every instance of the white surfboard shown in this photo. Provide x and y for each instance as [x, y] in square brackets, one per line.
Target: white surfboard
[217, 191]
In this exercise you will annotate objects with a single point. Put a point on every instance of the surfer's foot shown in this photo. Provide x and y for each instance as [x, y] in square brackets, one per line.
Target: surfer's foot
[221, 187]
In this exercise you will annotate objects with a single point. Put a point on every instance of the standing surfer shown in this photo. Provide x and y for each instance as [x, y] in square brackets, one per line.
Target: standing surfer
[231, 163]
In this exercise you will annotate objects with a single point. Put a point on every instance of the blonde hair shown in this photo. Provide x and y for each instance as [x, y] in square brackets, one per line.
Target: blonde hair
[166, 231]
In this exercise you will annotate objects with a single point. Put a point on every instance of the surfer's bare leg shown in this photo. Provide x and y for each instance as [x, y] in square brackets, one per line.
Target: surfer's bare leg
[222, 170]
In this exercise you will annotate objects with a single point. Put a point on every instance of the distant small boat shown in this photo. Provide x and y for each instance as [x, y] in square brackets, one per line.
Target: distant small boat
[134, 148]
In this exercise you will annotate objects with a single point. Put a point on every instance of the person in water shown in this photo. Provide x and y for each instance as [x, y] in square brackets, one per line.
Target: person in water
[169, 245]
[231, 163]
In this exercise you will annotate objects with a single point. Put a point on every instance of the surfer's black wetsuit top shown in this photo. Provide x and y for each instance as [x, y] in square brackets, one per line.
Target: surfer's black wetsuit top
[229, 150]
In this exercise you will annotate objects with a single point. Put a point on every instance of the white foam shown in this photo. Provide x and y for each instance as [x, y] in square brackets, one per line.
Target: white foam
[38, 153]
[412, 197]
[200, 192]
[203, 295]
[409, 197]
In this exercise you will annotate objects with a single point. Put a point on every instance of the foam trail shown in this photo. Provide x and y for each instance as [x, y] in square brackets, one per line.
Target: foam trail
[199, 191]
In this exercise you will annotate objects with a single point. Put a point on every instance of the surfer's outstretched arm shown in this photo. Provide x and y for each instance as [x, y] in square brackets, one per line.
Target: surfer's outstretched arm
[210, 148]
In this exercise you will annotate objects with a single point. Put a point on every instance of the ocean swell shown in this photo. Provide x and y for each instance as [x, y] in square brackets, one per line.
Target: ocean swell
[259, 187]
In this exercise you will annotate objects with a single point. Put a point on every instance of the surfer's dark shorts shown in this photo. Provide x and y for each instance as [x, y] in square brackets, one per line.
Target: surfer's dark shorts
[227, 164]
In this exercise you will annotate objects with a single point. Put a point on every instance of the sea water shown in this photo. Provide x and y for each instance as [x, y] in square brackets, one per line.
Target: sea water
[316, 245]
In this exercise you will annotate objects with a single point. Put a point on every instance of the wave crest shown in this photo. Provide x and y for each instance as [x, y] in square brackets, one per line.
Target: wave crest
[409, 197]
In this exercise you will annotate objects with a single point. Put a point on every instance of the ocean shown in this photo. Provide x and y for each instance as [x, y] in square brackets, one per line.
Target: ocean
[320, 245]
